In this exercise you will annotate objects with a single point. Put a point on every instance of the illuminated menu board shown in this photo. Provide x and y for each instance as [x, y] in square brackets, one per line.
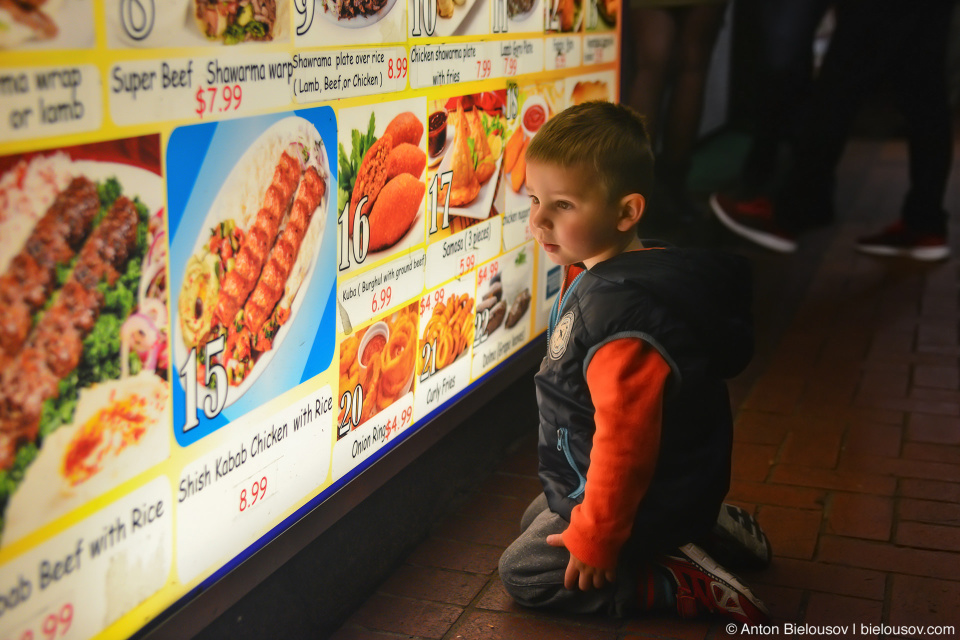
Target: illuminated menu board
[244, 247]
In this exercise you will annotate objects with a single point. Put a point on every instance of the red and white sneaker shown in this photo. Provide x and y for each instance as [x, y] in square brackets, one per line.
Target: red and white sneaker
[899, 241]
[703, 586]
[754, 220]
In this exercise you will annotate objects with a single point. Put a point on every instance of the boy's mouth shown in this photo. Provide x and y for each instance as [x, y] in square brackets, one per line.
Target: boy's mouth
[550, 248]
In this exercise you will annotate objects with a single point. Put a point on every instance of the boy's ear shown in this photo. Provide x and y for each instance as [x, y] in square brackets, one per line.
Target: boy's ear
[631, 210]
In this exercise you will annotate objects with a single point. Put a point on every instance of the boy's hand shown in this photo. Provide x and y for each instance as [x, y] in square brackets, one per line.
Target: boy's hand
[579, 573]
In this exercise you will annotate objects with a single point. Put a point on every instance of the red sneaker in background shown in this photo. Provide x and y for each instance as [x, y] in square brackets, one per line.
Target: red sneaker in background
[753, 220]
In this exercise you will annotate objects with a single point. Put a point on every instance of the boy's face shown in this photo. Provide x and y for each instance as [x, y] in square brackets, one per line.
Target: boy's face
[571, 216]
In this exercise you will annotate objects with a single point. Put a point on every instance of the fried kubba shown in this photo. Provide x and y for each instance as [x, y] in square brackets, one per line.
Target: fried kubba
[395, 210]
[406, 158]
[371, 176]
[405, 127]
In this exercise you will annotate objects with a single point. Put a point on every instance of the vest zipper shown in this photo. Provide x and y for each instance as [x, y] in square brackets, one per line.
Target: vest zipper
[558, 304]
[564, 446]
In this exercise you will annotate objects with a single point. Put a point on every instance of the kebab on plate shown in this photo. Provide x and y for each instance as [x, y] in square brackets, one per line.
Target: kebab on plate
[55, 345]
[30, 278]
[272, 280]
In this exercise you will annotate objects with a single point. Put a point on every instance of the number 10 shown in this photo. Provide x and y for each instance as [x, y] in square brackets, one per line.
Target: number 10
[425, 11]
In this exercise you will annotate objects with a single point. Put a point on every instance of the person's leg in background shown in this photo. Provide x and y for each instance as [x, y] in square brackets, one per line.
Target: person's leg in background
[652, 32]
[672, 48]
[914, 53]
[805, 200]
[850, 68]
[787, 31]
[697, 29]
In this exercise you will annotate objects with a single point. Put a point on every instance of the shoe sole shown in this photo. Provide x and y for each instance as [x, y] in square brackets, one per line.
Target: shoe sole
[926, 254]
[766, 240]
[708, 565]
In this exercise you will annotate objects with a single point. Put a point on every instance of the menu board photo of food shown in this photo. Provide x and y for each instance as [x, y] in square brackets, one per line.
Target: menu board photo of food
[250, 206]
[182, 23]
[503, 299]
[377, 367]
[538, 103]
[450, 18]
[382, 158]
[46, 24]
[525, 16]
[448, 329]
[446, 336]
[466, 151]
[565, 16]
[602, 15]
[325, 22]
[593, 86]
[84, 340]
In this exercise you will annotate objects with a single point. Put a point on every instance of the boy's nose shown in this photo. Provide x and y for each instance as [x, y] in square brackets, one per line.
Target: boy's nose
[537, 218]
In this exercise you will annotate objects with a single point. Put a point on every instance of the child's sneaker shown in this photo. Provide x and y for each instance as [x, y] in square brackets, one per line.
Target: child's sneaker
[899, 241]
[703, 586]
[754, 220]
[737, 540]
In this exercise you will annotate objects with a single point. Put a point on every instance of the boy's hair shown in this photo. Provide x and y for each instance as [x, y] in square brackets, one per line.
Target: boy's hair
[611, 139]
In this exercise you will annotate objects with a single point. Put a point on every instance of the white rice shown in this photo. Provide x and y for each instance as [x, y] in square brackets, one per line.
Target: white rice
[26, 192]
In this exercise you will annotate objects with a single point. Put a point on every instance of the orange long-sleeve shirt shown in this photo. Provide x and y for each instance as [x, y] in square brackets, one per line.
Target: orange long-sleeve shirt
[626, 378]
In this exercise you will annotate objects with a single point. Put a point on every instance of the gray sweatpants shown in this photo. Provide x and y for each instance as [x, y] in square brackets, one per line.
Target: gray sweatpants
[532, 571]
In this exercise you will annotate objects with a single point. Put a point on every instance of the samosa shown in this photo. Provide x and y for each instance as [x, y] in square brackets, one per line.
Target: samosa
[465, 185]
[486, 163]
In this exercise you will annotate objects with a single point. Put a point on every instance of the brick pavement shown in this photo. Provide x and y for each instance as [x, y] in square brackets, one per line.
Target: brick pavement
[847, 448]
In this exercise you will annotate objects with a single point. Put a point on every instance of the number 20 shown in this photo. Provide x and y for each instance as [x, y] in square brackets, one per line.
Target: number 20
[352, 406]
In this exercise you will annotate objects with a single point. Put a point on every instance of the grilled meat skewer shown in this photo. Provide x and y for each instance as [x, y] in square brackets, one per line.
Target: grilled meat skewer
[274, 277]
[258, 240]
[29, 280]
[55, 346]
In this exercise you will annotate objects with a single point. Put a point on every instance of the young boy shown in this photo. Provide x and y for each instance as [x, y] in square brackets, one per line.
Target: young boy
[635, 424]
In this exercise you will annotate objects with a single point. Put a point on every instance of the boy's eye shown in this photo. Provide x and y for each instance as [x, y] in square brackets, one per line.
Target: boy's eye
[534, 200]
[563, 204]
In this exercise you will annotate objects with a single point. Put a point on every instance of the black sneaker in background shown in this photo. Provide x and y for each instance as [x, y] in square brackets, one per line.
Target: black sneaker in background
[899, 241]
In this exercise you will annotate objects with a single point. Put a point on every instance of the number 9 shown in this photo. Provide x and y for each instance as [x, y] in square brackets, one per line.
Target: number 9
[304, 8]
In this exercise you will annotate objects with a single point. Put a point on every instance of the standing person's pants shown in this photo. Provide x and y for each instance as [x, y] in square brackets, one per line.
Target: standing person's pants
[904, 42]
[787, 30]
